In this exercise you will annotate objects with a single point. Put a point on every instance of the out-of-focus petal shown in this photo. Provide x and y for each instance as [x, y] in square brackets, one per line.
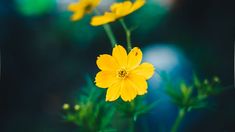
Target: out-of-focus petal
[74, 7]
[124, 9]
[137, 4]
[104, 19]
[115, 6]
[77, 15]
[95, 2]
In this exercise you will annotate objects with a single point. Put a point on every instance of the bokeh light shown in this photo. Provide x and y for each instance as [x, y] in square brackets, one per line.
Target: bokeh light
[35, 7]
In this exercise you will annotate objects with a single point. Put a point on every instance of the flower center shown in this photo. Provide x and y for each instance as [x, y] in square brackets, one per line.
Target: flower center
[88, 8]
[122, 73]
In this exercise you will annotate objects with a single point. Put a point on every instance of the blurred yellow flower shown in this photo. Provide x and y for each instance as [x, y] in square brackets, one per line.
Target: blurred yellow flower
[123, 74]
[118, 10]
[76, 107]
[216, 79]
[65, 106]
[82, 7]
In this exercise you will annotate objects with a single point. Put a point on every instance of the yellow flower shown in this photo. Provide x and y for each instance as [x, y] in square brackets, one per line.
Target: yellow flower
[118, 10]
[216, 79]
[82, 7]
[66, 106]
[76, 107]
[123, 74]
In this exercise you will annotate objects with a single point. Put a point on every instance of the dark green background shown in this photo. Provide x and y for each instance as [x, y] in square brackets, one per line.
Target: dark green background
[44, 58]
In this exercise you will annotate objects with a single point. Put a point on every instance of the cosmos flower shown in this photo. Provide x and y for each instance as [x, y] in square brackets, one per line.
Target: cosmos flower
[123, 74]
[82, 7]
[118, 10]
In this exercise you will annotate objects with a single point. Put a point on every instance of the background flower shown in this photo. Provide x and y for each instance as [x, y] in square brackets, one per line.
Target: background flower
[118, 10]
[81, 8]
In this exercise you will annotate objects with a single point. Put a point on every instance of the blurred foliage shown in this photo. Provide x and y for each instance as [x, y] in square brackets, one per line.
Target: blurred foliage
[35, 7]
[135, 108]
[195, 95]
[191, 96]
[90, 113]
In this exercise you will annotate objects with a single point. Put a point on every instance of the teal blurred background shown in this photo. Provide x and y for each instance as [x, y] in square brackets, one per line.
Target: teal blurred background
[45, 56]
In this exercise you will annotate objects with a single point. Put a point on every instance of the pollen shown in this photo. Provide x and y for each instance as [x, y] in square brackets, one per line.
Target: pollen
[122, 73]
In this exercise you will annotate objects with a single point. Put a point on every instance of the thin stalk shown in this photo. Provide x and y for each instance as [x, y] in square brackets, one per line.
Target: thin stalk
[178, 120]
[108, 31]
[132, 126]
[128, 34]
[110, 34]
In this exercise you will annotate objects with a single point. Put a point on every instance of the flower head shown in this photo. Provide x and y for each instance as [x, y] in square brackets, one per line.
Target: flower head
[76, 107]
[65, 106]
[123, 74]
[118, 10]
[216, 79]
[82, 7]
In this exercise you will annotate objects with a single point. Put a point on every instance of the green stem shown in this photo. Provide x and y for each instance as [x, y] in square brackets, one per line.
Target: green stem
[132, 126]
[108, 31]
[110, 34]
[128, 34]
[178, 120]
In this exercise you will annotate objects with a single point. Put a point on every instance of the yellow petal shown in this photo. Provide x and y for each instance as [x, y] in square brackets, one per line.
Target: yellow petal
[124, 9]
[119, 53]
[106, 62]
[128, 91]
[95, 2]
[105, 79]
[74, 7]
[146, 70]
[137, 4]
[115, 6]
[77, 15]
[104, 19]
[139, 83]
[114, 91]
[134, 58]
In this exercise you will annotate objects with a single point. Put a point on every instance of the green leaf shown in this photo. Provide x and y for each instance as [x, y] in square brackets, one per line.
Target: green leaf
[183, 88]
[175, 96]
[145, 109]
[199, 105]
[108, 117]
[196, 81]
